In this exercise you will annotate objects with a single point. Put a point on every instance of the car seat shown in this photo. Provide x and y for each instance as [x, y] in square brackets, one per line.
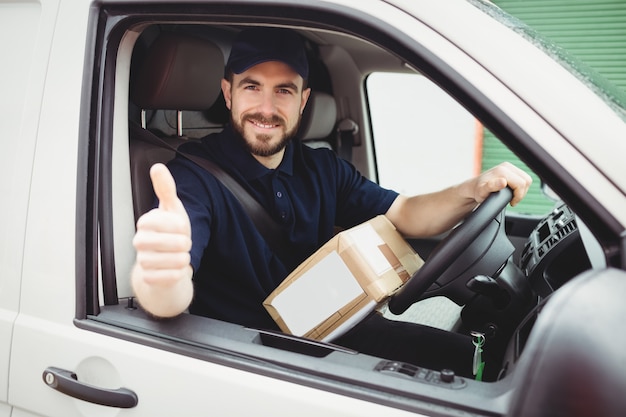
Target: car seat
[574, 362]
[318, 120]
[179, 72]
[319, 127]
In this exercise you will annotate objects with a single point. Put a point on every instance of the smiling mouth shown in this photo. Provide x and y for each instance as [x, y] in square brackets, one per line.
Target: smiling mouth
[263, 125]
[267, 123]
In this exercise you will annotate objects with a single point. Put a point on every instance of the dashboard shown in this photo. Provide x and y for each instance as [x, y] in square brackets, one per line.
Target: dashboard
[554, 252]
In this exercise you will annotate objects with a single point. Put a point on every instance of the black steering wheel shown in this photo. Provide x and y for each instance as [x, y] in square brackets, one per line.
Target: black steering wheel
[450, 248]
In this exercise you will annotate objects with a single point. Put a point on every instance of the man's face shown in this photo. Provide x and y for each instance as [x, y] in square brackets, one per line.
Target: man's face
[266, 104]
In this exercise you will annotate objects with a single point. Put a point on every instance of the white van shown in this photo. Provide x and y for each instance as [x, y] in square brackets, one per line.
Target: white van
[73, 179]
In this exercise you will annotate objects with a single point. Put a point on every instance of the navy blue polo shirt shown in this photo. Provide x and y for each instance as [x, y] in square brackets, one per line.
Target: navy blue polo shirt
[308, 194]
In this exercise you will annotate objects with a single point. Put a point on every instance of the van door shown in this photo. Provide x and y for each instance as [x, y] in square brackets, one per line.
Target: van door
[21, 86]
[51, 257]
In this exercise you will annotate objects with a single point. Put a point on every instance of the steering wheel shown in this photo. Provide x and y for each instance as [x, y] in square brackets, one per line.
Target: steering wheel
[451, 247]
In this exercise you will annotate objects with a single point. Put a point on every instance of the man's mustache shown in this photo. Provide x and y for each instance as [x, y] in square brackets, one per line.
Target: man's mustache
[259, 118]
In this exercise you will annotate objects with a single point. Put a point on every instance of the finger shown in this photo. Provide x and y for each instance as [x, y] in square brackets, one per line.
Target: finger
[503, 175]
[159, 220]
[488, 186]
[150, 241]
[149, 260]
[519, 181]
[164, 277]
[165, 188]
[496, 184]
[520, 188]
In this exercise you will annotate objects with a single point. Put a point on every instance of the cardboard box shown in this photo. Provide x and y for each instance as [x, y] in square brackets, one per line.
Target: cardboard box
[343, 281]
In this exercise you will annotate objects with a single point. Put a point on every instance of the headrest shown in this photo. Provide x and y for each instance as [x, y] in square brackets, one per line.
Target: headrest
[180, 72]
[319, 117]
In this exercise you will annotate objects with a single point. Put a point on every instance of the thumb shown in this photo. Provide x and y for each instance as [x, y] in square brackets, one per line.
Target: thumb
[165, 188]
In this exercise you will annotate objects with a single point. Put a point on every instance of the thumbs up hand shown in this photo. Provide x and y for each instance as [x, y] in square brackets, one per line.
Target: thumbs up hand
[161, 277]
[165, 190]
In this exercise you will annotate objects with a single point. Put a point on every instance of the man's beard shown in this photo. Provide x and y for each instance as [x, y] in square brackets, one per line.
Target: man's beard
[262, 146]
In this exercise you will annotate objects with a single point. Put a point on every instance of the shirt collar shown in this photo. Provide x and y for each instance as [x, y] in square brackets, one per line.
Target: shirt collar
[245, 163]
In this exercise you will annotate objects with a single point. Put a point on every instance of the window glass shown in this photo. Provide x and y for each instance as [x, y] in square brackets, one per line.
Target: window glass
[426, 141]
[416, 128]
[608, 91]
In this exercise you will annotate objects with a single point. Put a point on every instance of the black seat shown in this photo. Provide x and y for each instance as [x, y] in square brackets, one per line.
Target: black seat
[179, 72]
[574, 363]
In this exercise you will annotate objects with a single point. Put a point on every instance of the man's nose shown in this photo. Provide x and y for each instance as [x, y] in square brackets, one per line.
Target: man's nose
[267, 104]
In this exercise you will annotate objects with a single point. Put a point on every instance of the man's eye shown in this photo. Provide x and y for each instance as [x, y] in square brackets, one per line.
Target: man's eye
[284, 91]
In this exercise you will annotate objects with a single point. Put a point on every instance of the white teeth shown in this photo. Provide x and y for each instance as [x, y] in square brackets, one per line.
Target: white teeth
[264, 126]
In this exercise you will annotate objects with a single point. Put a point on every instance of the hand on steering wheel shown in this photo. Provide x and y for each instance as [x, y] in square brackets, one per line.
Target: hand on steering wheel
[451, 247]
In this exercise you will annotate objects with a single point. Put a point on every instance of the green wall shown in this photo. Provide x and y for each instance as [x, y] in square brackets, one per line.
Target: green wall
[594, 32]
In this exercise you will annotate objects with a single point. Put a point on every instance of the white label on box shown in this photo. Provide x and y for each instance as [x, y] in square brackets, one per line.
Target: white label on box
[316, 295]
[367, 242]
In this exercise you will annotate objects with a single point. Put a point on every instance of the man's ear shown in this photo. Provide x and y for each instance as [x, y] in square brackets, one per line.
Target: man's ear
[226, 91]
[305, 97]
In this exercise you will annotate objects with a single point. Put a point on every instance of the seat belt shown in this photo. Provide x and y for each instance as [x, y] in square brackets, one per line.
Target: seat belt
[265, 224]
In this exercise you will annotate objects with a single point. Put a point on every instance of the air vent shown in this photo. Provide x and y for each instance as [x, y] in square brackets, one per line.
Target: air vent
[563, 231]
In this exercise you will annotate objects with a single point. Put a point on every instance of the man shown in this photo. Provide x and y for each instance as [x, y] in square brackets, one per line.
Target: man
[199, 250]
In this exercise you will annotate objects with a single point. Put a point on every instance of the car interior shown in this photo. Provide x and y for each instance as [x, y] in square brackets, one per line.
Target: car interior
[164, 79]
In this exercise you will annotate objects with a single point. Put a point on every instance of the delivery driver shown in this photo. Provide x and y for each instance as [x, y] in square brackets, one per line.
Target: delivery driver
[199, 249]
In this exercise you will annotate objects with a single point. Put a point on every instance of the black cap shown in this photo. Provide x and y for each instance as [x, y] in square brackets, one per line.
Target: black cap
[254, 46]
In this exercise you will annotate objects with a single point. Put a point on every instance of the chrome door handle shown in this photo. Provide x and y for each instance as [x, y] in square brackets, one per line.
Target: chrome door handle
[68, 383]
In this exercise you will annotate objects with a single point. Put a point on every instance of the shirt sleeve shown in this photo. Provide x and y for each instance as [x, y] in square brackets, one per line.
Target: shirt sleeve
[358, 198]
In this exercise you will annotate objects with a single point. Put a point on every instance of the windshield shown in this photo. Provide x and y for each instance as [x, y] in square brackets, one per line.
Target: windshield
[609, 92]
